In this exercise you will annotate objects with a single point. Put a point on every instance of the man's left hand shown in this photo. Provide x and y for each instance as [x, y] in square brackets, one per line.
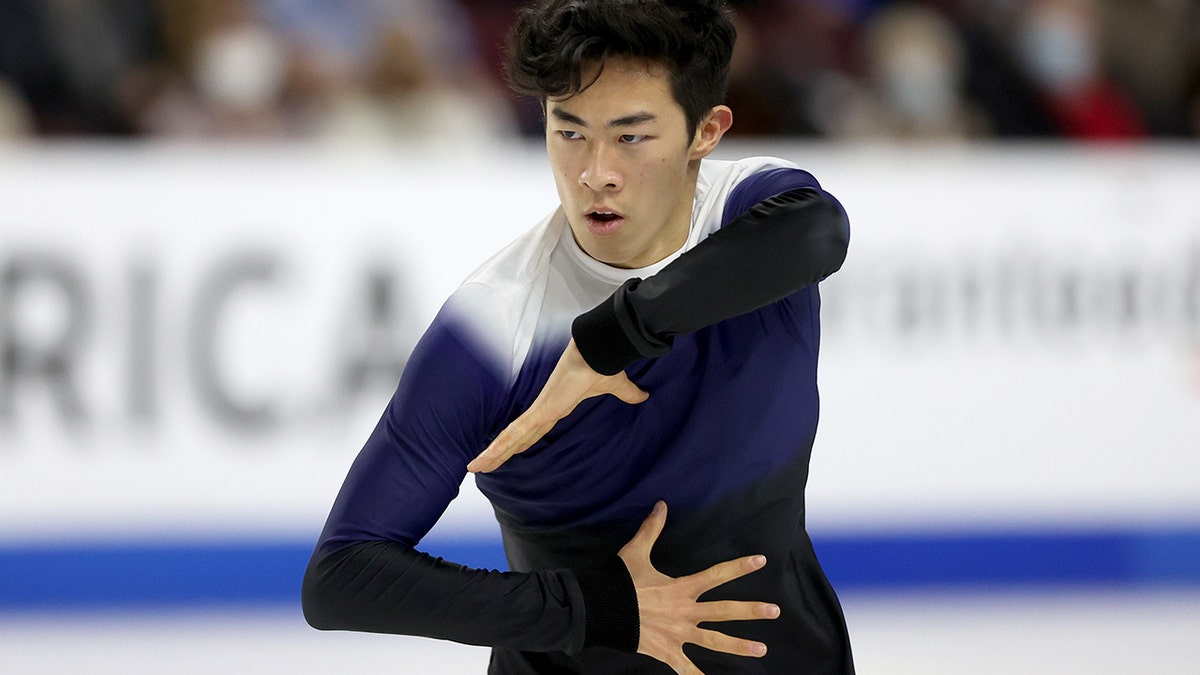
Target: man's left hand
[570, 383]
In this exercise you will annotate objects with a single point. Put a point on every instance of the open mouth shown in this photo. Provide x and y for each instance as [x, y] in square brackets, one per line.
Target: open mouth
[604, 223]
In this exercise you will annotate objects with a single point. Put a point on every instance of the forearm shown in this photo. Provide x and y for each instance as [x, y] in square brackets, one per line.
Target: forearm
[386, 587]
[779, 246]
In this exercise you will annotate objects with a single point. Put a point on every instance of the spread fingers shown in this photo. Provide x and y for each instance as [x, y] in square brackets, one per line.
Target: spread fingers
[724, 572]
[735, 610]
[720, 642]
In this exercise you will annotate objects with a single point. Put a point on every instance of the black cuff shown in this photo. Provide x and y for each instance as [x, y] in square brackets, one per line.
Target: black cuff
[610, 603]
[601, 340]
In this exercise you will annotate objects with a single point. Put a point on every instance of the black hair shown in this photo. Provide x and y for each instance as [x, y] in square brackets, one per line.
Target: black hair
[553, 40]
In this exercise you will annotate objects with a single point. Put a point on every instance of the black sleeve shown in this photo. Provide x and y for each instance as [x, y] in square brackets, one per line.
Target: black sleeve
[387, 587]
[779, 246]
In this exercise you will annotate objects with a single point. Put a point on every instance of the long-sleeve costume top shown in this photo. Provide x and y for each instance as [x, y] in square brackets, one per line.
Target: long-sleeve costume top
[723, 334]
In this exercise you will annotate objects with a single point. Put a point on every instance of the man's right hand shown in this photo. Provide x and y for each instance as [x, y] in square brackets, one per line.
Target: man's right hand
[668, 608]
[570, 383]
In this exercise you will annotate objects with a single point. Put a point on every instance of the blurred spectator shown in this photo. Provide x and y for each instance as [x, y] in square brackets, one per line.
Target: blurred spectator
[790, 69]
[764, 101]
[227, 77]
[995, 80]
[71, 61]
[491, 20]
[916, 64]
[401, 96]
[1058, 42]
[341, 69]
[373, 69]
[15, 119]
[1152, 47]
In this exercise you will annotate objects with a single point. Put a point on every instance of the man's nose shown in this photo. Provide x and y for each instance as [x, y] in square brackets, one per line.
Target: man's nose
[601, 172]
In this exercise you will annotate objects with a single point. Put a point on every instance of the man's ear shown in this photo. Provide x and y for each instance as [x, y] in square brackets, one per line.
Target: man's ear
[710, 130]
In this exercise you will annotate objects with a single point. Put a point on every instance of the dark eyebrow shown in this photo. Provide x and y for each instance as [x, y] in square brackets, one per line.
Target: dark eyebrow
[631, 120]
[567, 117]
[627, 121]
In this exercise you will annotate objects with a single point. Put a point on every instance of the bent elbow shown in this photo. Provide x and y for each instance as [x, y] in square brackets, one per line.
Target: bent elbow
[838, 242]
[828, 239]
[315, 598]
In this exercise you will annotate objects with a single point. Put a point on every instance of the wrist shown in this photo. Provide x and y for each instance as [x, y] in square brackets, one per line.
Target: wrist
[611, 607]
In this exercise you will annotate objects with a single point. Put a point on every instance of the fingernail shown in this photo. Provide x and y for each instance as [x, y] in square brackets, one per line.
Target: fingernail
[771, 611]
[758, 649]
[659, 506]
[758, 560]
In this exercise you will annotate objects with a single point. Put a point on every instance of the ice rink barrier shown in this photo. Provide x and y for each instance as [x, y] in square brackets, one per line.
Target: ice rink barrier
[196, 342]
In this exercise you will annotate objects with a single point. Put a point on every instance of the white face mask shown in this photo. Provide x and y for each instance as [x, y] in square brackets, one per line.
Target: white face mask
[1058, 51]
[920, 85]
[242, 68]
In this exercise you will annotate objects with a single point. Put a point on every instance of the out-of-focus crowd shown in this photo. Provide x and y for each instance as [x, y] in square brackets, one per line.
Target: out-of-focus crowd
[378, 70]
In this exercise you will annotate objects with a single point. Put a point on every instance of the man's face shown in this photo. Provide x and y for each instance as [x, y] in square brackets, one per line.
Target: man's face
[623, 163]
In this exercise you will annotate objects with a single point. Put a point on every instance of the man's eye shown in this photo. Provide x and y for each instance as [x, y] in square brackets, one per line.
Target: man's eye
[633, 138]
[571, 135]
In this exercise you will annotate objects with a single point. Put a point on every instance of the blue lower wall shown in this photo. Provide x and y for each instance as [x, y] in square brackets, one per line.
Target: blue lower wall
[249, 573]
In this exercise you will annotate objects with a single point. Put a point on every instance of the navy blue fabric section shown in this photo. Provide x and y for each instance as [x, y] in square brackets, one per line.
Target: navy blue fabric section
[256, 573]
[764, 185]
[411, 467]
[710, 426]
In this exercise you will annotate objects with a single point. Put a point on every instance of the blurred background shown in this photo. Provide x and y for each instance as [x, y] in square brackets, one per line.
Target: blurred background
[224, 224]
[387, 71]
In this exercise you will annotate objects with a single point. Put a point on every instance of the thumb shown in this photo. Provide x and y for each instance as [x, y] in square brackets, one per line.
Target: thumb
[627, 391]
[648, 533]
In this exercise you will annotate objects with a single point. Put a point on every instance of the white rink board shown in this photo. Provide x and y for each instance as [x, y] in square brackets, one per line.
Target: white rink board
[1015, 337]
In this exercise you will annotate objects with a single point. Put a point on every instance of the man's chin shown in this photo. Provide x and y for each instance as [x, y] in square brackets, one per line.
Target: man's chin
[609, 255]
